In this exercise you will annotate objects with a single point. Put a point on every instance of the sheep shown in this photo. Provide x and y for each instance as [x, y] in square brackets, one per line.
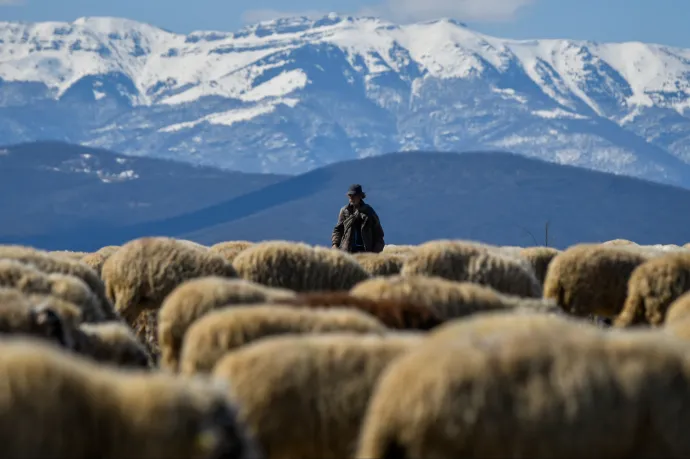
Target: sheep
[144, 271]
[393, 314]
[113, 343]
[652, 251]
[679, 309]
[56, 404]
[28, 279]
[304, 396]
[666, 247]
[224, 330]
[299, 267]
[69, 254]
[96, 260]
[474, 262]
[513, 250]
[230, 249]
[521, 304]
[220, 246]
[616, 242]
[678, 328]
[66, 310]
[146, 330]
[540, 393]
[380, 264]
[591, 278]
[192, 244]
[652, 287]
[539, 258]
[20, 315]
[52, 264]
[194, 298]
[108, 249]
[399, 249]
[449, 299]
[601, 322]
[501, 322]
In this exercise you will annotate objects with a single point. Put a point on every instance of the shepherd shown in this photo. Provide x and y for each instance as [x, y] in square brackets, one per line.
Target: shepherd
[359, 228]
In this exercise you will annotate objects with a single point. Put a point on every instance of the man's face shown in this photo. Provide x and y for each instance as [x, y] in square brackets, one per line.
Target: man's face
[354, 199]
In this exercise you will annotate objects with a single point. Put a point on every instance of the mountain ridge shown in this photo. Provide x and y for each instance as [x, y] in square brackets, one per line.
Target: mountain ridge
[53, 186]
[496, 197]
[295, 94]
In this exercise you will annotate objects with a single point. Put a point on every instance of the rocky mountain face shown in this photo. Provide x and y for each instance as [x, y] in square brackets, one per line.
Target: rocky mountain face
[291, 95]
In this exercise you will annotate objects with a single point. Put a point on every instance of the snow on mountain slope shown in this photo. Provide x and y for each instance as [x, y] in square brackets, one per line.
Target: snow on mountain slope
[293, 94]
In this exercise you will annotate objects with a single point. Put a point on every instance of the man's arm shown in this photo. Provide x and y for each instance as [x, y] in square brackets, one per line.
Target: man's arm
[379, 242]
[337, 234]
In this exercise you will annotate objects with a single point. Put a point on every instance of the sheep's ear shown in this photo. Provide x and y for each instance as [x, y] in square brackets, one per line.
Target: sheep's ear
[51, 325]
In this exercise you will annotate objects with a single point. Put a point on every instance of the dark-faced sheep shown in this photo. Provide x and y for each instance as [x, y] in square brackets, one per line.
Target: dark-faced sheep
[52, 264]
[380, 264]
[66, 310]
[144, 271]
[543, 394]
[20, 316]
[592, 279]
[466, 261]
[83, 410]
[299, 267]
[70, 314]
[448, 298]
[113, 343]
[29, 280]
[219, 332]
[195, 298]
[652, 287]
[393, 314]
[304, 396]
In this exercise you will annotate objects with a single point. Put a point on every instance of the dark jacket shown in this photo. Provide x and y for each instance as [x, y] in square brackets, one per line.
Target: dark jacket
[369, 223]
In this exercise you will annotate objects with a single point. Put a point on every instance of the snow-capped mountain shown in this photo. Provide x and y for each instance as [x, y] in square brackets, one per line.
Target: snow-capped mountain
[290, 95]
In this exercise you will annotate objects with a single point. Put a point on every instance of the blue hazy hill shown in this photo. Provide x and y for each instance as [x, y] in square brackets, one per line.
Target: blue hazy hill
[497, 197]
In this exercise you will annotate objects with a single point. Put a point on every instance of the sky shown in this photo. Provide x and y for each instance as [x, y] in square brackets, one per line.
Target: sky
[654, 21]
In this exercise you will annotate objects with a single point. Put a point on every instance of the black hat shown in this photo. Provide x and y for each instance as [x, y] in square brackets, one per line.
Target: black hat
[355, 190]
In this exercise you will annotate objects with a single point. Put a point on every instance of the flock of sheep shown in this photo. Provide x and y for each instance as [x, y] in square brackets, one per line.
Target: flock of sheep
[164, 348]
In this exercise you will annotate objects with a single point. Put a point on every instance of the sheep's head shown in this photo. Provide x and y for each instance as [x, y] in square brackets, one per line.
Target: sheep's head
[47, 323]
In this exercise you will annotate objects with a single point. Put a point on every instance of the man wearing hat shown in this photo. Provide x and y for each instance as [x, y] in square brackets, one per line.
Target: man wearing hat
[359, 228]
